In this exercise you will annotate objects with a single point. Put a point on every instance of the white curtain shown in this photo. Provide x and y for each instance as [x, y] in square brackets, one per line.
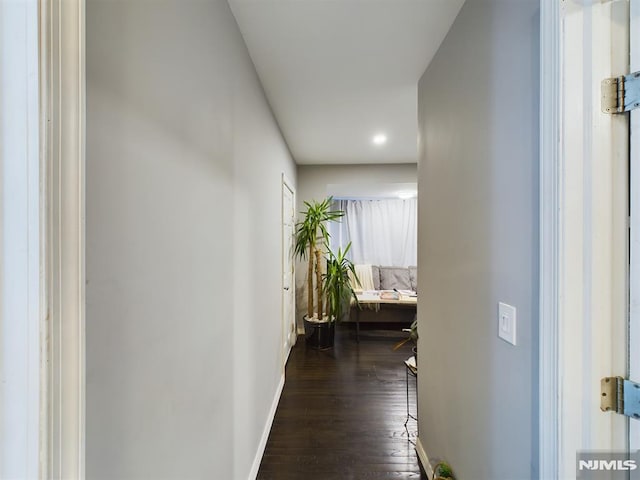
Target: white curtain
[382, 232]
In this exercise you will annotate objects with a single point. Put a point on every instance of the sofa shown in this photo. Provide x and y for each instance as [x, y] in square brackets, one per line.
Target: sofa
[400, 278]
[389, 278]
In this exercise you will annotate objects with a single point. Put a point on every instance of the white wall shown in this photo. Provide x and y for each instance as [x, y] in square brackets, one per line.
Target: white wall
[184, 161]
[313, 180]
[478, 242]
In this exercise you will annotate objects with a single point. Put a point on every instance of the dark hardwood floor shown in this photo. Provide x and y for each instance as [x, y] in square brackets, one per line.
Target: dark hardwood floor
[342, 412]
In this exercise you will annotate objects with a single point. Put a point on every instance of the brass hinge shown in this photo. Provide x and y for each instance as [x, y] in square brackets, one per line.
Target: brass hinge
[620, 396]
[621, 94]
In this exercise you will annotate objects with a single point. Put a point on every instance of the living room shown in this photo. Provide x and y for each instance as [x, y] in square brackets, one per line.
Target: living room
[379, 237]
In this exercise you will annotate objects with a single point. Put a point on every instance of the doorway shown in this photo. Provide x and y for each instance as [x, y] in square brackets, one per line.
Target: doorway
[288, 290]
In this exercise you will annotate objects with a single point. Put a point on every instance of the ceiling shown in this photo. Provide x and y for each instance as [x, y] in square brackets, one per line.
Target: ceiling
[338, 72]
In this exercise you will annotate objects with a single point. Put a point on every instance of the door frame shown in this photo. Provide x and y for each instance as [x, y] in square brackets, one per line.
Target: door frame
[583, 291]
[62, 122]
[288, 184]
[634, 144]
[45, 334]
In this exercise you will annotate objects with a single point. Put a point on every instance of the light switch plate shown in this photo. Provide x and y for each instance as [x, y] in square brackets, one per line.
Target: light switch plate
[507, 323]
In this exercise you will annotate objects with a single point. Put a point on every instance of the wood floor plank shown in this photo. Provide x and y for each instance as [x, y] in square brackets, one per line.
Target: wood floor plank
[342, 412]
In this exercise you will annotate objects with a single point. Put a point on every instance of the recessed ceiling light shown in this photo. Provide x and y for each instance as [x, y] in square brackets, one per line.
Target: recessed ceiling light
[379, 139]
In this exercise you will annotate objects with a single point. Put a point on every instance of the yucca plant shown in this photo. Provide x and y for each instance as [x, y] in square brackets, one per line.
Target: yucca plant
[311, 237]
[337, 283]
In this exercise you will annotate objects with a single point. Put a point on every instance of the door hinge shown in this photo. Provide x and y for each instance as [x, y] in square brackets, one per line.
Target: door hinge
[620, 396]
[621, 94]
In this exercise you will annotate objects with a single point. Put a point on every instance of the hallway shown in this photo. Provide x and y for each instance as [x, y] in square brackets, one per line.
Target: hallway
[341, 414]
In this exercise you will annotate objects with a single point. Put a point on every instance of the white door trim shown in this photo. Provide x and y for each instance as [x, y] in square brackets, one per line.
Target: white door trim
[583, 225]
[63, 113]
[286, 183]
[634, 326]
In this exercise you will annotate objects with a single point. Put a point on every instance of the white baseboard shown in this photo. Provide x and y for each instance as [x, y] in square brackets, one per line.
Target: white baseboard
[424, 459]
[286, 357]
[267, 429]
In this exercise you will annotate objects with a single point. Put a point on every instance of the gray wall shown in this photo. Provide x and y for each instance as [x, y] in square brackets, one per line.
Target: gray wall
[478, 242]
[312, 185]
[184, 164]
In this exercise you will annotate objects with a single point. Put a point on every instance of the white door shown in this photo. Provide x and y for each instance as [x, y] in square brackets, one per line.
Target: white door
[288, 293]
[594, 234]
[634, 327]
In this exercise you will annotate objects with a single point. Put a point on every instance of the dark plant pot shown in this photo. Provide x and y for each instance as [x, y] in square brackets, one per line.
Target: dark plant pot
[319, 335]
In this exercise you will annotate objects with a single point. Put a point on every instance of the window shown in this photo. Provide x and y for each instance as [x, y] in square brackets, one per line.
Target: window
[381, 231]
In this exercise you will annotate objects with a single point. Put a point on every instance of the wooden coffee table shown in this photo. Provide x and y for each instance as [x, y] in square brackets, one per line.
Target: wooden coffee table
[374, 299]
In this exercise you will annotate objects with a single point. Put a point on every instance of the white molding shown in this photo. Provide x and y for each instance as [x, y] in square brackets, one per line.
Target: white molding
[288, 183]
[286, 356]
[550, 230]
[424, 458]
[63, 94]
[267, 429]
[292, 337]
[634, 320]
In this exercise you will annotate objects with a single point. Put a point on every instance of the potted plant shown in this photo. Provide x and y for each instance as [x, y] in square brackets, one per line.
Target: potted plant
[443, 471]
[311, 239]
[337, 286]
